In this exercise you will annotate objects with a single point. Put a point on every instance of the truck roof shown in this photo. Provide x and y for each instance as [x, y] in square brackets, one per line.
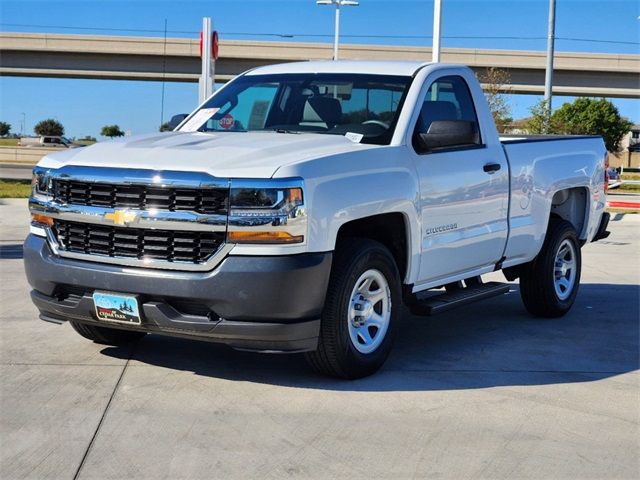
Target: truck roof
[342, 66]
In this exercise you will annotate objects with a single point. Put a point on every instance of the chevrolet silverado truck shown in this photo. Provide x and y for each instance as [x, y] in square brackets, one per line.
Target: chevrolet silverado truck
[303, 206]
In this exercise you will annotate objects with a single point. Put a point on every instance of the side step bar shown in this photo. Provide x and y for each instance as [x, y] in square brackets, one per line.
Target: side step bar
[457, 297]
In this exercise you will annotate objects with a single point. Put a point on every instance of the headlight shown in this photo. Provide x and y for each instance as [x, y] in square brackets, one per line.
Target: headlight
[267, 212]
[41, 184]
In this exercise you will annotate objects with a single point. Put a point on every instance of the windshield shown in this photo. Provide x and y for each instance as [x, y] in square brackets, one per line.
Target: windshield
[365, 106]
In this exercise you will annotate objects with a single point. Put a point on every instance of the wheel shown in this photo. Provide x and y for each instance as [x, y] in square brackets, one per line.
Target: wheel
[361, 312]
[107, 336]
[549, 284]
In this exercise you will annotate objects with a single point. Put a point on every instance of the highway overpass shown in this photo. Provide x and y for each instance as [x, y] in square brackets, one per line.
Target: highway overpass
[177, 60]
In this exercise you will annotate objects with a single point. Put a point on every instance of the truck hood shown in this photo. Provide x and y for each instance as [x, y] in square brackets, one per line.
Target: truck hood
[226, 154]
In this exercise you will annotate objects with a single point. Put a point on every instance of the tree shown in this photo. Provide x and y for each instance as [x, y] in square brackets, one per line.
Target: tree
[540, 121]
[49, 127]
[165, 127]
[5, 128]
[495, 83]
[590, 116]
[111, 131]
[585, 116]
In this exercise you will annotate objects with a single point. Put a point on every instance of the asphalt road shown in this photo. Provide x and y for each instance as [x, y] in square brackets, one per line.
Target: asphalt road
[483, 392]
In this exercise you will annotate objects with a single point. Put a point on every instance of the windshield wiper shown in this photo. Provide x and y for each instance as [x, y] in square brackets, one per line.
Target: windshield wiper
[284, 130]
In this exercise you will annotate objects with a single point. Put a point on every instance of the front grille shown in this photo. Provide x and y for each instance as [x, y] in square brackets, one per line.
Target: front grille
[140, 243]
[201, 200]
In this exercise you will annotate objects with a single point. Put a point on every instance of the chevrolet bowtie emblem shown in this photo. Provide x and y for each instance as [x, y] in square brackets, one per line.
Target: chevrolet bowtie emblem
[120, 217]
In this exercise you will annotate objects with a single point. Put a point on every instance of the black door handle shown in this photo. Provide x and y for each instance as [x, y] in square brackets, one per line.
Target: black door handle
[491, 167]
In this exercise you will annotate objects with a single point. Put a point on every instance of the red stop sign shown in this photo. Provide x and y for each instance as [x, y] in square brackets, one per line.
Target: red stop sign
[214, 45]
[226, 122]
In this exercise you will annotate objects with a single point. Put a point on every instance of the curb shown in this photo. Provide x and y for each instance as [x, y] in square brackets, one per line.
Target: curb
[619, 204]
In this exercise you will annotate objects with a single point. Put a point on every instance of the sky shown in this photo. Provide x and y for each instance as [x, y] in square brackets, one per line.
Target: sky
[84, 106]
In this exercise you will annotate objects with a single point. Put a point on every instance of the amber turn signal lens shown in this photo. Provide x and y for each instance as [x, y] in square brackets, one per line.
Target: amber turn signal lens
[43, 219]
[263, 237]
[295, 196]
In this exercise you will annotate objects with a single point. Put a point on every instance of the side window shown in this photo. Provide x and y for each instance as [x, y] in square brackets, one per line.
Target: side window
[449, 103]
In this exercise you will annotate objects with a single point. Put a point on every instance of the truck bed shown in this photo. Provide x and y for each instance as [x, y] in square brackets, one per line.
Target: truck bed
[541, 165]
[511, 139]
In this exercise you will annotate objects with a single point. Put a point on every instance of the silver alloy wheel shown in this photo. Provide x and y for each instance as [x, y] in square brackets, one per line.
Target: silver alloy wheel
[369, 311]
[564, 272]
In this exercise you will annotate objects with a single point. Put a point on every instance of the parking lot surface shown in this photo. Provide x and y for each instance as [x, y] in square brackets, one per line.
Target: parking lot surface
[485, 391]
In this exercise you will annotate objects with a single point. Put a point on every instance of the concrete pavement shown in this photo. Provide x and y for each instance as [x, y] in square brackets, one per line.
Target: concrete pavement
[15, 172]
[482, 392]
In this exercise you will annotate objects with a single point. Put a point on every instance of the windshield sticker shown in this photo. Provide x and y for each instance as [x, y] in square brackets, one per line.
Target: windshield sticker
[226, 122]
[199, 119]
[354, 137]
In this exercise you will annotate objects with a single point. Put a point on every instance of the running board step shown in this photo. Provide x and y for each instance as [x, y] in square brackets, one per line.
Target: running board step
[457, 298]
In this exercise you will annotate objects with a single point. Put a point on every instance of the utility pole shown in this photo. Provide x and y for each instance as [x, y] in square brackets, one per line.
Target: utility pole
[164, 72]
[548, 78]
[205, 84]
[437, 16]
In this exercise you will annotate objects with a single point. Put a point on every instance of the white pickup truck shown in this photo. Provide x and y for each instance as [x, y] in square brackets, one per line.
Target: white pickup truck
[302, 205]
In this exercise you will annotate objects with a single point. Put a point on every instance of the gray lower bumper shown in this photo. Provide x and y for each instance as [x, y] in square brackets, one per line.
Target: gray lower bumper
[257, 303]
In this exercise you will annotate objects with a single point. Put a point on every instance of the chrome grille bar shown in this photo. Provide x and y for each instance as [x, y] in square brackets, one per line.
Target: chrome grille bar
[138, 218]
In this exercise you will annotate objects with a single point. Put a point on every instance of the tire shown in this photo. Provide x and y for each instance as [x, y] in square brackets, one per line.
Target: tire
[106, 336]
[343, 351]
[541, 285]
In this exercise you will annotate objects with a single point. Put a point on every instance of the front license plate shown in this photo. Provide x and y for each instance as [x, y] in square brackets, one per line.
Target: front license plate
[113, 307]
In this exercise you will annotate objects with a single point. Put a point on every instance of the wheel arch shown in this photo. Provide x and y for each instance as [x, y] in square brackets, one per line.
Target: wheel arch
[572, 205]
[391, 229]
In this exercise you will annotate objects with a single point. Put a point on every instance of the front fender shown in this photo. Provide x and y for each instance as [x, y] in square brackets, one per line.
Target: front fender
[344, 188]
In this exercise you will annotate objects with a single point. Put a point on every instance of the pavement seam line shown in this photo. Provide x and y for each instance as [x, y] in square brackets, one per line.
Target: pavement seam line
[28, 364]
[104, 414]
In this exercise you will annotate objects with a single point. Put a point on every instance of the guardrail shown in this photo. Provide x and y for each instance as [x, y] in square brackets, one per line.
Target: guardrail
[27, 156]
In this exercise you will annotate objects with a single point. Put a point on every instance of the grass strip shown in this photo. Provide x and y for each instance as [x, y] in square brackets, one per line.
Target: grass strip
[15, 188]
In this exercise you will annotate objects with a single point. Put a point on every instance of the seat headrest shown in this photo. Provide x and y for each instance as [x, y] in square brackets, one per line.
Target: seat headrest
[322, 109]
[434, 110]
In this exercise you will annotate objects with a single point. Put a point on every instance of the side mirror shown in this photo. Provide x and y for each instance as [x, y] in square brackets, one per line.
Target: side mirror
[448, 133]
[177, 120]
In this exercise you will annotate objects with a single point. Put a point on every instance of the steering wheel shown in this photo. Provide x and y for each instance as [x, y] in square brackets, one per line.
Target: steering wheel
[376, 122]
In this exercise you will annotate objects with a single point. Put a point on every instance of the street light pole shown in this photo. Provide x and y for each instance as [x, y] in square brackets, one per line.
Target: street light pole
[338, 4]
[437, 16]
[336, 35]
[548, 78]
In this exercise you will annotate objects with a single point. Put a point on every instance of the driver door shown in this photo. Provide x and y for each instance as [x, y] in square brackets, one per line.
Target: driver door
[464, 189]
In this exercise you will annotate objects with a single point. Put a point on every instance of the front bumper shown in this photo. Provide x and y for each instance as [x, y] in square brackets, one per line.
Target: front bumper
[256, 303]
